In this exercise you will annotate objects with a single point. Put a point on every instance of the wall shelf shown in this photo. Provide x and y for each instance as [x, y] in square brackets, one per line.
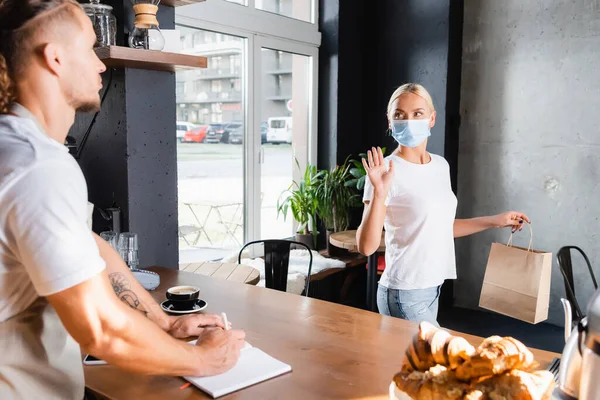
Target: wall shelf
[126, 57]
[177, 3]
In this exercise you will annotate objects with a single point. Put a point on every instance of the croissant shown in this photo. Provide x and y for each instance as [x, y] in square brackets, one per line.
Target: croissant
[514, 385]
[441, 383]
[432, 346]
[494, 356]
[476, 395]
[438, 365]
[438, 383]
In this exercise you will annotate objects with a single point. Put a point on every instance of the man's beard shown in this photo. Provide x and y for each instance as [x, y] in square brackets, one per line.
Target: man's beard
[77, 101]
[87, 106]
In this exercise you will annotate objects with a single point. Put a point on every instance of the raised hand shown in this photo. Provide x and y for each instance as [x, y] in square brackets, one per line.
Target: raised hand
[379, 175]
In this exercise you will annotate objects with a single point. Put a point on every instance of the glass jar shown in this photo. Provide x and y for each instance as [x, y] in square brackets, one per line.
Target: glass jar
[146, 34]
[104, 22]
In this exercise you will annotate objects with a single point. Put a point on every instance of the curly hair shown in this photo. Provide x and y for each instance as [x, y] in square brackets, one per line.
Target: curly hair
[6, 95]
[17, 29]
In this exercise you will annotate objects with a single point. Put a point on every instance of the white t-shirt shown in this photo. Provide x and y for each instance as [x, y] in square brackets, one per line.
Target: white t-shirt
[46, 247]
[419, 224]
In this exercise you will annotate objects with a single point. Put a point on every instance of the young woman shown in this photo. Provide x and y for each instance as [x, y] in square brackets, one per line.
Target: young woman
[409, 193]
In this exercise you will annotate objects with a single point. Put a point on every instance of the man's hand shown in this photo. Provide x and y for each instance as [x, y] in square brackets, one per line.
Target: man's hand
[221, 349]
[193, 325]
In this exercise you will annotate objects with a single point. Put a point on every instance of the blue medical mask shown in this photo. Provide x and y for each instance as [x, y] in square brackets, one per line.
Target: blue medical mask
[410, 132]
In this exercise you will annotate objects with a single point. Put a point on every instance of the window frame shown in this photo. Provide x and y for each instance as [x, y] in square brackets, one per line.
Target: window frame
[260, 29]
[251, 20]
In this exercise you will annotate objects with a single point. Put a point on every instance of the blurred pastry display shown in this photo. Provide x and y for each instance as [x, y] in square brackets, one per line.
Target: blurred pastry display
[438, 365]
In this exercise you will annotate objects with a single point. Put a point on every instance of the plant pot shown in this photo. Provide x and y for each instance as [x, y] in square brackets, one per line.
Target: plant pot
[333, 251]
[306, 239]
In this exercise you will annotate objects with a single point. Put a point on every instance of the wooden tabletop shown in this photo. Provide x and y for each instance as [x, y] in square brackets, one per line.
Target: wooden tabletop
[336, 352]
[347, 240]
[228, 271]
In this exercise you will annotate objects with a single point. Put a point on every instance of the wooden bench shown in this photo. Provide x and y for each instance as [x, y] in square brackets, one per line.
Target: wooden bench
[228, 271]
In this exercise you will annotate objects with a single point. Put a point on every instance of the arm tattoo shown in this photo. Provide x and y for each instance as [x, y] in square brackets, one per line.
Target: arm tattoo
[122, 288]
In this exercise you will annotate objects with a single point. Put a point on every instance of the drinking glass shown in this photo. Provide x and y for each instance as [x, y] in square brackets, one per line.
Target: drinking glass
[128, 248]
[111, 238]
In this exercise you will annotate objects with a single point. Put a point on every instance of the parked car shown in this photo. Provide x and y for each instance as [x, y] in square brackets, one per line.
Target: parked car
[236, 135]
[263, 132]
[279, 130]
[196, 135]
[214, 133]
[228, 128]
[182, 128]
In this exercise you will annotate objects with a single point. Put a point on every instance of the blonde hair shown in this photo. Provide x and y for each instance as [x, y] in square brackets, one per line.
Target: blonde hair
[413, 88]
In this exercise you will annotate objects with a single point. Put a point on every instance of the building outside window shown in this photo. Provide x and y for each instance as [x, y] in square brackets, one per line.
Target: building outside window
[254, 108]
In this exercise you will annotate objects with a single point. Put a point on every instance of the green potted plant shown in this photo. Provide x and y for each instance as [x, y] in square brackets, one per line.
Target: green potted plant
[336, 197]
[301, 199]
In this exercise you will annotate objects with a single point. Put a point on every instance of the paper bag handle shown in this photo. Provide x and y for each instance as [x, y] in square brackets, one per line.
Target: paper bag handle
[509, 243]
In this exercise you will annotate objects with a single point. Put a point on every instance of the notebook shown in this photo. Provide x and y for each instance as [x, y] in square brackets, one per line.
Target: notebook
[254, 366]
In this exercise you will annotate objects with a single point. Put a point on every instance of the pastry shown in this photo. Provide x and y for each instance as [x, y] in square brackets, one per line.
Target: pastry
[475, 395]
[513, 385]
[438, 383]
[438, 365]
[494, 356]
[432, 346]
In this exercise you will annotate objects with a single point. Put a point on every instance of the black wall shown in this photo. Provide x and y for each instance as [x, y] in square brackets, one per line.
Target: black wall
[328, 82]
[130, 157]
[371, 48]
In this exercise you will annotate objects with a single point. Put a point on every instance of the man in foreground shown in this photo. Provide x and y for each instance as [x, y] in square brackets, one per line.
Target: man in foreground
[57, 279]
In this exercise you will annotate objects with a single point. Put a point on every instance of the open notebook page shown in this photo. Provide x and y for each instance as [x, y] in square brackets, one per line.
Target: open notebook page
[254, 366]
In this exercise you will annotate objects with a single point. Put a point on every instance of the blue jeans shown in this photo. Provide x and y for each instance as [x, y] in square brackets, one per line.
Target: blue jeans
[413, 305]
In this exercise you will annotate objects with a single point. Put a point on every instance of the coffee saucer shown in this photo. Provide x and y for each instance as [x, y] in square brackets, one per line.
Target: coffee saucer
[167, 306]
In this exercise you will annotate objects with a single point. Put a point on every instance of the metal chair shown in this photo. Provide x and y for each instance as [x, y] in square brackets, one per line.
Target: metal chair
[566, 268]
[185, 230]
[277, 258]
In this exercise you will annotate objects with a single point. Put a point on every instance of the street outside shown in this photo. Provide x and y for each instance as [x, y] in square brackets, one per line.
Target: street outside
[211, 197]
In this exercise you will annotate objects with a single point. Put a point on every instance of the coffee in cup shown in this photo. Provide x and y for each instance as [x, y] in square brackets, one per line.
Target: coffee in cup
[184, 290]
[183, 297]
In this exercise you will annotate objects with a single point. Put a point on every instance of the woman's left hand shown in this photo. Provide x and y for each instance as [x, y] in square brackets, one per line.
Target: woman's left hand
[513, 219]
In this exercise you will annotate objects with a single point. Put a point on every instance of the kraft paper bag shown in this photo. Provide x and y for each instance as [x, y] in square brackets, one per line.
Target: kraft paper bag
[517, 282]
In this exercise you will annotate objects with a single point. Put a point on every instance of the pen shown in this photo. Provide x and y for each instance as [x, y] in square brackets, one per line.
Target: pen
[225, 322]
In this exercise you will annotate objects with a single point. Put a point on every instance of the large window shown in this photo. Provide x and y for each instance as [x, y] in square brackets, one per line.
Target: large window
[287, 132]
[210, 165]
[250, 115]
[298, 9]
